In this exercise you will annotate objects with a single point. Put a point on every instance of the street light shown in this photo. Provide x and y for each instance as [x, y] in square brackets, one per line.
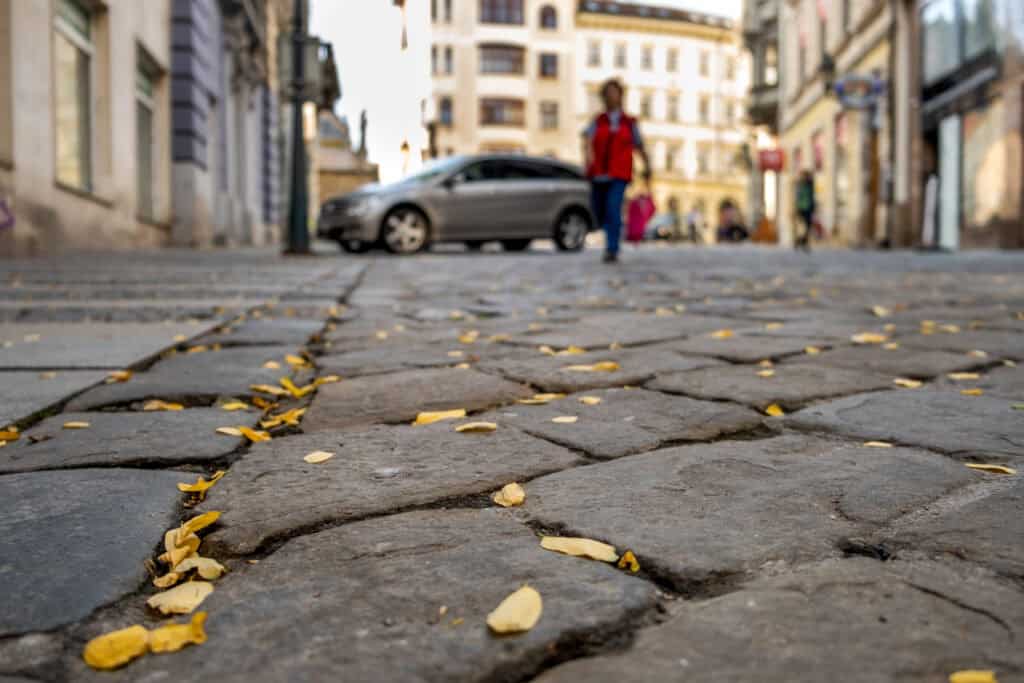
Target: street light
[298, 210]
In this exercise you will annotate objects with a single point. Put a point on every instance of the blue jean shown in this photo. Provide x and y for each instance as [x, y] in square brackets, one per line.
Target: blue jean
[606, 200]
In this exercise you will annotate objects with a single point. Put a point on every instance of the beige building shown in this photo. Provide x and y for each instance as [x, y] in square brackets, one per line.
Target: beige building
[687, 78]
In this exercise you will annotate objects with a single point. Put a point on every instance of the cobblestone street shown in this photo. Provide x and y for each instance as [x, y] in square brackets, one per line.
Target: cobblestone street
[787, 443]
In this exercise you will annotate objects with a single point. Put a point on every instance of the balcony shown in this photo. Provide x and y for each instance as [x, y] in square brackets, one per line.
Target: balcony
[763, 105]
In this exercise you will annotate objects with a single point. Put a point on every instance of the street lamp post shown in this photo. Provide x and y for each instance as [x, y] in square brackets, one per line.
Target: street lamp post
[298, 210]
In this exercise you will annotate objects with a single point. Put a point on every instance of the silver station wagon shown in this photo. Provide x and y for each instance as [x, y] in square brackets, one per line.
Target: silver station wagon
[511, 199]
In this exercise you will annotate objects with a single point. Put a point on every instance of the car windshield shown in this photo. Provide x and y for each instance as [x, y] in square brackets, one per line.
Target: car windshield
[432, 170]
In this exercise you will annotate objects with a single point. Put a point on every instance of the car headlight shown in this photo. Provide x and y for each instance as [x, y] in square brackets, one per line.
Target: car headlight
[361, 207]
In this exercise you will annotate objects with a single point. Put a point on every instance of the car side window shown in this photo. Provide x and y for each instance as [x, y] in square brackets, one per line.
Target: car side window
[481, 171]
[524, 170]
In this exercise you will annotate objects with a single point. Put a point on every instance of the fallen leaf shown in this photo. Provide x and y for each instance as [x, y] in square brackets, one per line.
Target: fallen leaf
[179, 338]
[540, 399]
[272, 365]
[869, 338]
[812, 350]
[9, 435]
[1018, 406]
[75, 424]
[173, 637]
[950, 329]
[202, 485]
[496, 338]
[977, 353]
[614, 346]
[49, 374]
[202, 348]
[602, 366]
[958, 376]
[119, 376]
[1010, 363]
[289, 417]
[877, 444]
[775, 410]
[771, 326]
[564, 419]
[766, 373]
[254, 435]
[178, 547]
[891, 346]
[973, 676]
[205, 567]
[197, 523]
[628, 561]
[590, 400]
[519, 612]
[469, 337]
[456, 315]
[268, 389]
[232, 406]
[972, 392]
[229, 431]
[510, 495]
[456, 354]
[381, 334]
[580, 547]
[296, 361]
[429, 417]
[476, 427]
[461, 366]
[766, 363]
[167, 580]
[721, 334]
[546, 350]
[326, 379]
[995, 469]
[907, 383]
[663, 312]
[157, 404]
[117, 648]
[317, 457]
[181, 599]
[295, 391]
[881, 311]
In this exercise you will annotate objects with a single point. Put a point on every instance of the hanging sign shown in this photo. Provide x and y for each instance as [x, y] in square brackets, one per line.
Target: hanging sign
[771, 159]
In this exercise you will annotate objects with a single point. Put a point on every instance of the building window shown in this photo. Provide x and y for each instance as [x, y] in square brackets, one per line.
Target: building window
[447, 11]
[501, 111]
[620, 56]
[444, 112]
[594, 103]
[501, 11]
[703, 160]
[645, 106]
[449, 61]
[672, 108]
[548, 18]
[979, 18]
[730, 68]
[502, 59]
[145, 91]
[433, 10]
[704, 65]
[548, 65]
[433, 60]
[671, 156]
[845, 15]
[549, 115]
[73, 49]
[771, 65]
[647, 58]
[730, 112]
[593, 53]
[672, 60]
[704, 110]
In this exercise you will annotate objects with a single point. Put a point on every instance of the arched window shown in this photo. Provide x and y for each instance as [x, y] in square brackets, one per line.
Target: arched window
[548, 17]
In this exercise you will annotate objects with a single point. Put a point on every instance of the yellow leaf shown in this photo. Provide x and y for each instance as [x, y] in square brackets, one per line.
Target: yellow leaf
[546, 350]
[564, 419]
[950, 329]
[602, 366]
[580, 547]
[178, 547]
[663, 312]
[119, 376]
[977, 353]
[771, 326]
[272, 365]
[181, 599]
[117, 648]
[75, 424]
[889, 327]
[429, 417]
[461, 366]
[254, 435]
[317, 457]
[268, 389]
[766, 363]
[173, 637]
[614, 346]
[571, 351]
[197, 523]
[232, 406]
[202, 348]
[590, 400]
[167, 580]
[290, 417]
[891, 346]
[326, 379]
[877, 444]
[179, 338]
[516, 613]
[907, 383]
[381, 334]
[881, 311]
[206, 567]
[775, 410]
[456, 354]
[469, 337]
[869, 338]
[456, 315]
[973, 676]
[229, 431]
[995, 469]
[9, 435]
[812, 350]
[510, 495]
[496, 338]
[629, 561]
[157, 404]
[201, 484]
[49, 374]
[721, 334]
[540, 399]
[1010, 363]
[766, 373]
[476, 427]
[972, 392]
[262, 403]
[297, 392]
[958, 376]
[296, 361]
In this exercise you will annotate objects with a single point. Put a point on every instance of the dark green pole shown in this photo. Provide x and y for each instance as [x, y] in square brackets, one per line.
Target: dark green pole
[298, 217]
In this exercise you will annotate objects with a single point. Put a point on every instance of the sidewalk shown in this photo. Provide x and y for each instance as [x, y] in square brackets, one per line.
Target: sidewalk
[783, 441]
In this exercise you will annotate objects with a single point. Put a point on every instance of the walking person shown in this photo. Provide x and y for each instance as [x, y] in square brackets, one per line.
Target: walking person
[608, 147]
[806, 205]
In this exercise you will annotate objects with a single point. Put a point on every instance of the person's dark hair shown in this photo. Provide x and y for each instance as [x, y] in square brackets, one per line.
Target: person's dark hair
[612, 83]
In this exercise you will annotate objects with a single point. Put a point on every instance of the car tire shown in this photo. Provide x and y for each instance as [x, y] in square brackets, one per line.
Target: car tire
[354, 246]
[474, 245]
[571, 228]
[405, 230]
[516, 245]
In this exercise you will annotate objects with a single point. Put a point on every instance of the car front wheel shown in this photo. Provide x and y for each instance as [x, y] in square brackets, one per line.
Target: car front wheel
[571, 231]
[405, 230]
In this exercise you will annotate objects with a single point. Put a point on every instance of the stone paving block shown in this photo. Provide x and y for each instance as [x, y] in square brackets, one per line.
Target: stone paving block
[193, 377]
[26, 392]
[999, 344]
[388, 358]
[706, 513]
[550, 373]
[823, 328]
[75, 540]
[629, 329]
[147, 439]
[400, 396]
[946, 421]
[854, 620]
[791, 386]
[361, 604]
[1000, 382]
[271, 491]
[748, 348]
[899, 362]
[88, 345]
[264, 332]
[628, 421]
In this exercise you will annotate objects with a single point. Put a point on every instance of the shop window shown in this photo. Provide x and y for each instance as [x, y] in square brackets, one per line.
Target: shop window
[73, 92]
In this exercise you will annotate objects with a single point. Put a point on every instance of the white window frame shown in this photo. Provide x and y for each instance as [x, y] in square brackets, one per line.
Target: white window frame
[70, 33]
[147, 100]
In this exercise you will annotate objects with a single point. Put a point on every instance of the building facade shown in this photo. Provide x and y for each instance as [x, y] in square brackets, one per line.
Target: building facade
[760, 24]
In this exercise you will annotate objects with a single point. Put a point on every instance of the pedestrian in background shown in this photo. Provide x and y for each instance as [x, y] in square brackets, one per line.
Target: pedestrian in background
[609, 144]
[806, 205]
[694, 219]
[641, 210]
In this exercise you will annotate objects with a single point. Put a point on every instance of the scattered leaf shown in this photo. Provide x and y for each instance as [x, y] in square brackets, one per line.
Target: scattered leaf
[775, 410]
[197, 523]
[721, 334]
[766, 363]
[232, 406]
[173, 637]
[429, 417]
[179, 338]
[117, 648]
[381, 334]
[157, 404]
[119, 376]
[456, 354]
[181, 599]
[476, 427]
[877, 444]
[202, 485]
[977, 353]
[614, 346]
[317, 457]
[167, 580]
[510, 495]
[972, 392]
[881, 311]
[995, 469]
[461, 366]
[1010, 363]
[268, 389]
[663, 312]
[9, 435]
[201, 348]
[580, 547]
[229, 431]
[262, 403]
[469, 337]
[297, 361]
[496, 338]
[205, 567]
[272, 365]
[178, 547]
[771, 326]
[973, 676]
[254, 435]
[907, 383]
[959, 376]
[289, 417]
[812, 350]
[516, 613]
[766, 373]
[546, 350]
[590, 400]
[295, 391]
[891, 346]
[540, 399]
[602, 366]
[326, 379]
[49, 374]
[564, 419]
[1018, 406]
[628, 561]
[571, 351]
[76, 424]
[869, 338]
[950, 329]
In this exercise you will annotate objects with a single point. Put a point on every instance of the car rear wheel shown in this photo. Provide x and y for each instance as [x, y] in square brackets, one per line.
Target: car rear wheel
[354, 246]
[571, 230]
[405, 230]
[516, 245]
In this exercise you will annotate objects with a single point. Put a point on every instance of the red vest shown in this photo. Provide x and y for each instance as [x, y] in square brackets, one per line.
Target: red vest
[611, 154]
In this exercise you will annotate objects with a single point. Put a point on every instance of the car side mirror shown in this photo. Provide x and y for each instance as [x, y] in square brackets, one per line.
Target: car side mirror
[451, 181]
